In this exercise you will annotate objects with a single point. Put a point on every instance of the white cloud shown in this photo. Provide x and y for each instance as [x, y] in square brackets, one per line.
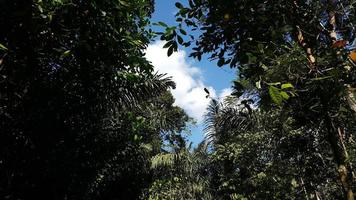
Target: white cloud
[189, 92]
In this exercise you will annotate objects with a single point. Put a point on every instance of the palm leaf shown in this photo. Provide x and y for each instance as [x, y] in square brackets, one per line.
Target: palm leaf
[163, 160]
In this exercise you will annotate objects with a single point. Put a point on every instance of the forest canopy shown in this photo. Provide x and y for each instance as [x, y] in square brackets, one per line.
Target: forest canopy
[85, 116]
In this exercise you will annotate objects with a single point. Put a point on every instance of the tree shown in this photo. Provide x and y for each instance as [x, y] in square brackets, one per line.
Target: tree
[181, 173]
[293, 54]
[261, 155]
[74, 81]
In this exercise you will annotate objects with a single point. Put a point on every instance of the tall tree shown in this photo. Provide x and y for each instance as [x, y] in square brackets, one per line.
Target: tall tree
[73, 79]
[297, 56]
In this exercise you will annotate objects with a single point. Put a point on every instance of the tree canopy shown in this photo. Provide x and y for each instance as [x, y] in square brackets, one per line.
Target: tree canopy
[85, 116]
[295, 59]
[81, 110]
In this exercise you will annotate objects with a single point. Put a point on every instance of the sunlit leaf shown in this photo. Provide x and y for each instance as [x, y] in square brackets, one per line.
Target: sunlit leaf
[258, 85]
[66, 53]
[124, 3]
[287, 85]
[352, 56]
[321, 78]
[284, 95]
[275, 95]
[2, 47]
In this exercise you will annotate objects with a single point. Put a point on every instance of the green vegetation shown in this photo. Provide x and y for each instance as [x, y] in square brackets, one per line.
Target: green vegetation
[83, 115]
[81, 111]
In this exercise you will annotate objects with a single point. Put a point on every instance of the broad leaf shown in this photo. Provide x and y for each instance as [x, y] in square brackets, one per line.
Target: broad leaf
[275, 95]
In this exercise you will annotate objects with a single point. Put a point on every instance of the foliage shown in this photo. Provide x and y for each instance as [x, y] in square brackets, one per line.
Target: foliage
[83, 115]
[181, 174]
[78, 101]
[294, 59]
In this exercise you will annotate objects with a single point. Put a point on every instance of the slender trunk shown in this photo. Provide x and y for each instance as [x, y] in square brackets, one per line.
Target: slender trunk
[351, 97]
[337, 133]
[336, 140]
[333, 36]
[307, 49]
[317, 195]
[303, 43]
[304, 189]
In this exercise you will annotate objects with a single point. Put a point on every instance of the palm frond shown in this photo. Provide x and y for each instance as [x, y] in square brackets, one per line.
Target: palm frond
[163, 160]
[222, 120]
[210, 119]
[135, 88]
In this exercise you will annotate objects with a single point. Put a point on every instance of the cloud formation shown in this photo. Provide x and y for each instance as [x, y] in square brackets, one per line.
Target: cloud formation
[189, 92]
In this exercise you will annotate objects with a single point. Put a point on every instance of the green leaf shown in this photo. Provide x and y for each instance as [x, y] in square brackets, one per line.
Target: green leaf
[191, 4]
[264, 67]
[238, 85]
[258, 84]
[182, 31]
[162, 24]
[206, 90]
[2, 47]
[275, 95]
[168, 44]
[287, 28]
[124, 3]
[251, 58]
[180, 39]
[179, 5]
[292, 93]
[169, 36]
[260, 47]
[170, 51]
[186, 44]
[321, 78]
[238, 89]
[40, 8]
[287, 85]
[199, 57]
[66, 53]
[284, 95]
[175, 46]
[221, 62]
[276, 83]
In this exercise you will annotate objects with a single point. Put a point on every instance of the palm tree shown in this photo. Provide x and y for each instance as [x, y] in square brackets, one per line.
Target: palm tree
[225, 119]
[187, 174]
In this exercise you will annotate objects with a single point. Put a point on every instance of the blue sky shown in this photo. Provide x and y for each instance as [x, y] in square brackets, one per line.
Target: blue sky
[191, 76]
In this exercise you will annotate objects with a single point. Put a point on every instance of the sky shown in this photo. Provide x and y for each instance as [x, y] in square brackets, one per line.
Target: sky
[191, 76]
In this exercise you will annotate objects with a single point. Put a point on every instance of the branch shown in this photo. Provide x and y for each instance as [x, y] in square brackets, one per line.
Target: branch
[307, 49]
[301, 41]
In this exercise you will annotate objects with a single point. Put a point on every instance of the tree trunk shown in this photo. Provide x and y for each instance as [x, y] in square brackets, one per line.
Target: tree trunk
[337, 133]
[307, 49]
[336, 140]
[351, 97]
[303, 43]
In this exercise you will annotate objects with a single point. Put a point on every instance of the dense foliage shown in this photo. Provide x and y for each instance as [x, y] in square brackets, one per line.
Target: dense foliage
[84, 116]
[287, 132]
[81, 110]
